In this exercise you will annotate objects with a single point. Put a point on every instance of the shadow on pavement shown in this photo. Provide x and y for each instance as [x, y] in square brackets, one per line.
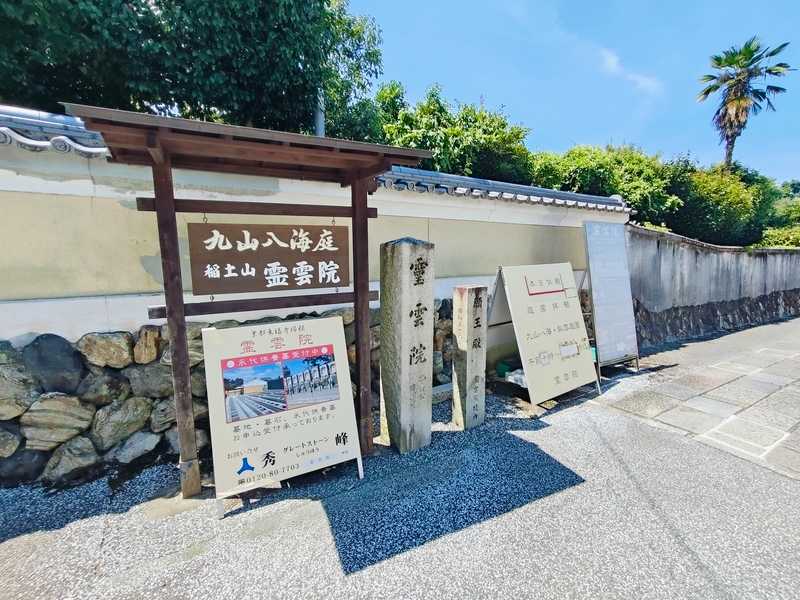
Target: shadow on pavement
[461, 479]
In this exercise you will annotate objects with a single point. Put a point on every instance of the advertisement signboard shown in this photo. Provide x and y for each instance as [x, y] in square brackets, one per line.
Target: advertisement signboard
[264, 430]
[543, 303]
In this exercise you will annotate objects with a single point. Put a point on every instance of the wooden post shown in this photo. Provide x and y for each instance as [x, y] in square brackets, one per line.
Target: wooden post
[358, 189]
[173, 291]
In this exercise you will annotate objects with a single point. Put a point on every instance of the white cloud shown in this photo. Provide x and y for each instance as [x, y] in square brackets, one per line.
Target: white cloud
[612, 65]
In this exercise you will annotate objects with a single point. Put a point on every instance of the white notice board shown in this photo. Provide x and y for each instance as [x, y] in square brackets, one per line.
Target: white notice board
[614, 324]
[543, 303]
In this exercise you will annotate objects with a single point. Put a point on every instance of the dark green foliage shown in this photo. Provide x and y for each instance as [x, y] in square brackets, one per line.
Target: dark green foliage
[87, 51]
[246, 62]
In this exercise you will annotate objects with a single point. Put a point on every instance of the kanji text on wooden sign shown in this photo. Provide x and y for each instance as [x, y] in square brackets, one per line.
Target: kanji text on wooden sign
[228, 258]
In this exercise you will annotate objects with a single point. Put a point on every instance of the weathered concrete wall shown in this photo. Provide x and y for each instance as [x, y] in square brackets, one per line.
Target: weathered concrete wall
[683, 288]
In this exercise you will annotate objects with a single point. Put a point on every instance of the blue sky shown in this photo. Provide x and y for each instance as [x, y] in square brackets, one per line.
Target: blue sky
[580, 72]
[268, 371]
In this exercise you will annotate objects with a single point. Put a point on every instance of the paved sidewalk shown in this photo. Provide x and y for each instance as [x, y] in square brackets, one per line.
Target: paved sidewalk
[739, 393]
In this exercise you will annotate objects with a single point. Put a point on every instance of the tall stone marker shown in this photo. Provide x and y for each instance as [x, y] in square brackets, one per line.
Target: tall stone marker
[469, 362]
[406, 343]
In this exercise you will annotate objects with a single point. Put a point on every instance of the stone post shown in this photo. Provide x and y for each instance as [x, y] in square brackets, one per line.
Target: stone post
[407, 278]
[469, 361]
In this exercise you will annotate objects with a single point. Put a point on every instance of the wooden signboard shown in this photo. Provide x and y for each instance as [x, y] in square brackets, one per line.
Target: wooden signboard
[543, 305]
[612, 305]
[280, 402]
[228, 258]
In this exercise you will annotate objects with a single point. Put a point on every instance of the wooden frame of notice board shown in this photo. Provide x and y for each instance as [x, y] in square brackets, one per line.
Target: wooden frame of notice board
[167, 143]
[622, 318]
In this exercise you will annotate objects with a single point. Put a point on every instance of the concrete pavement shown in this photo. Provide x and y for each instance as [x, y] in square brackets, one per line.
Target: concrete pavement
[588, 501]
[739, 393]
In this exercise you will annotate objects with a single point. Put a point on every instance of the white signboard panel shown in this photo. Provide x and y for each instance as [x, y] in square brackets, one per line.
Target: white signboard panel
[614, 324]
[273, 416]
[545, 310]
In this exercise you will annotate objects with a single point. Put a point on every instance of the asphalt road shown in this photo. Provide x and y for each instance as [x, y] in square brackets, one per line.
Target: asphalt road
[583, 503]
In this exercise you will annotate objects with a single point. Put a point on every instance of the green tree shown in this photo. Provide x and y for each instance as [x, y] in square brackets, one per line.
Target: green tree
[247, 62]
[588, 170]
[738, 71]
[642, 180]
[86, 51]
[791, 188]
[718, 208]
[466, 140]
[546, 170]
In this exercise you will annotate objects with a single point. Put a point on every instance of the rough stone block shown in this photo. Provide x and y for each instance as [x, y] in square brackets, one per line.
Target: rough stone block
[53, 419]
[69, 459]
[147, 344]
[115, 422]
[55, 364]
[107, 349]
[18, 390]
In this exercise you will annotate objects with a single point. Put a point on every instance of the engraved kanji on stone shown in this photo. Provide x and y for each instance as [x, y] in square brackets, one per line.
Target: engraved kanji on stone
[417, 355]
[418, 314]
[418, 269]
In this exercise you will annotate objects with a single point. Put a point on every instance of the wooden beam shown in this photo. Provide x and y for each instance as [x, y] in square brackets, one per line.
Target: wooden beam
[241, 168]
[188, 205]
[192, 309]
[154, 148]
[101, 118]
[173, 292]
[202, 146]
[369, 172]
[359, 232]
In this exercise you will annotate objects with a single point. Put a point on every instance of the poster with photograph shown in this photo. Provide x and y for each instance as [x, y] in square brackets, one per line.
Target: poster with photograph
[280, 401]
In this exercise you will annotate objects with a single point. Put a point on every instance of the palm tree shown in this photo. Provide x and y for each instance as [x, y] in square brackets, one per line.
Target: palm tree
[738, 72]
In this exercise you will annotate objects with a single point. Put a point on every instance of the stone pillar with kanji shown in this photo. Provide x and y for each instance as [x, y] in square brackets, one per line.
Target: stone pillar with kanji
[469, 361]
[407, 315]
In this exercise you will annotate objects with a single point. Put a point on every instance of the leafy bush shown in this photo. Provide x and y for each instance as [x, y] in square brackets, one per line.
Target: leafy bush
[588, 170]
[718, 209]
[546, 170]
[466, 140]
[780, 237]
[643, 181]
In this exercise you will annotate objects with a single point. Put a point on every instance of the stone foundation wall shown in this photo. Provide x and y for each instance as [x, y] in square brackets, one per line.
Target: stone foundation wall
[70, 412]
[655, 329]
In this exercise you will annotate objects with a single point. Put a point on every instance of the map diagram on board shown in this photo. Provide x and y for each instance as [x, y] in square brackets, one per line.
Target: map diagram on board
[544, 308]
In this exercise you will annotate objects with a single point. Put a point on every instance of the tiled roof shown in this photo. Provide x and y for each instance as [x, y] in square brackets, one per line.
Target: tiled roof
[38, 131]
[433, 182]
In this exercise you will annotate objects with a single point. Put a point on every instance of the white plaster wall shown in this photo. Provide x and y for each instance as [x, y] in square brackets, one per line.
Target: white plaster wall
[668, 270]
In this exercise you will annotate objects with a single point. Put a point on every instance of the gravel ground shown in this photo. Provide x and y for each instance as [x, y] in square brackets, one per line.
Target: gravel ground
[582, 503]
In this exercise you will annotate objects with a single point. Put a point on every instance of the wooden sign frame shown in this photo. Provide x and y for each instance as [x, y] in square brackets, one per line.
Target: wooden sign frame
[164, 143]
